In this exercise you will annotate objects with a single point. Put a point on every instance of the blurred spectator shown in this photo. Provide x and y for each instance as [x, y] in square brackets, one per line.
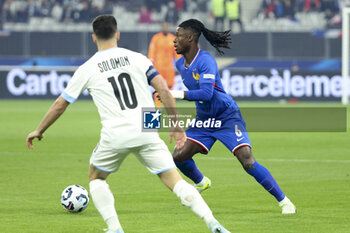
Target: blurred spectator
[108, 8]
[85, 12]
[145, 15]
[162, 54]
[32, 9]
[98, 3]
[279, 9]
[202, 5]
[172, 15]
[1, 14]
[57, 11]
[68, 15]
[45, 8]
[180, 5]
[22, 14]
[268, 8]
[311, 5]
[233, 13]
[9, 11]
[288, 9]
[218, 9]
[329, 7]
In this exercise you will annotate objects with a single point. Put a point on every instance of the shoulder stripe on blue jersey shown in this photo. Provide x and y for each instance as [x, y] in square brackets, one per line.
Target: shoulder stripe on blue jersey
[151, 73]
[67, 97]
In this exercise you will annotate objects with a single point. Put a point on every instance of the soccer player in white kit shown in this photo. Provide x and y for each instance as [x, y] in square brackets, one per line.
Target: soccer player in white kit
[118, 81]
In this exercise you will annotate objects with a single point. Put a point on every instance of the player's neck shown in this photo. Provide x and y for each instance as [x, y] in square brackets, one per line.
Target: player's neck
[108, 44]
[190, 55]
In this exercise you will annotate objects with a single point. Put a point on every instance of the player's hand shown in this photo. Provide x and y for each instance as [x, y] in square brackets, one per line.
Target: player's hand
[31, 136]
[156, 96]
[179, 135]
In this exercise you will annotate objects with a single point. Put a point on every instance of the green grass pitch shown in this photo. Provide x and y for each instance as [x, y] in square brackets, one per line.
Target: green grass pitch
[313, 169]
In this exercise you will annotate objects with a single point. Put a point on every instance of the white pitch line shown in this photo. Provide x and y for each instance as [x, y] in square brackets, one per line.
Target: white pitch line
[197, 157]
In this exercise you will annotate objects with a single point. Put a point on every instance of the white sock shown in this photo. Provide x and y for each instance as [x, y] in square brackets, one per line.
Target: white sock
[190, 197]
[203, 181]
[104, 203]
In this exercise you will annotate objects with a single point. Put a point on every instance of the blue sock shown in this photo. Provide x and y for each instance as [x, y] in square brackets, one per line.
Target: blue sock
[189, 169]
[264, 177]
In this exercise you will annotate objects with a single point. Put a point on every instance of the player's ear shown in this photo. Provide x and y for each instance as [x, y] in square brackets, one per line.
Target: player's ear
[118, 35]
[190, 37]
[93, 37]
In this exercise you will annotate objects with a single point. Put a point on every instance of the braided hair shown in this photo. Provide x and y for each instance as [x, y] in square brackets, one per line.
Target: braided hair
[216, 39]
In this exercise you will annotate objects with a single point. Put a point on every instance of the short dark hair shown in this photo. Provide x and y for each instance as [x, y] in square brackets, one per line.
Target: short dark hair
[104, 26]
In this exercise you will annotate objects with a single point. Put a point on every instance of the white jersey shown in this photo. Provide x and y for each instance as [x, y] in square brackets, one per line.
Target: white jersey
[117, 81]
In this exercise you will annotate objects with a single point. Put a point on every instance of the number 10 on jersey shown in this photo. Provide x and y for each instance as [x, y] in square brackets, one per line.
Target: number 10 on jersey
[124, 100]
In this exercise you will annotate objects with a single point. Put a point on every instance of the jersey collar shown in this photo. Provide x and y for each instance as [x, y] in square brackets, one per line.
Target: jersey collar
[195, 57]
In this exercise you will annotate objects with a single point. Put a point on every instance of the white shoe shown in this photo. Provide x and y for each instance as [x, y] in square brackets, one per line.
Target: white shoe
[287, 206]
[114, 231]
[216, 227]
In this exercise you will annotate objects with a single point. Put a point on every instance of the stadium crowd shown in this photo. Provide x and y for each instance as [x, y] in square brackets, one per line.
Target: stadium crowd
[223, 12]
[288, 8]
[86, 10]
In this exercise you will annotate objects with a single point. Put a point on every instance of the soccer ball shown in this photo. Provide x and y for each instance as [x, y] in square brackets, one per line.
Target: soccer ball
[75, 198]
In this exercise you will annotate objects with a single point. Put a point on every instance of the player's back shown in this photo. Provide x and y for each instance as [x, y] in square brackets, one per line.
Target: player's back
[118, 85]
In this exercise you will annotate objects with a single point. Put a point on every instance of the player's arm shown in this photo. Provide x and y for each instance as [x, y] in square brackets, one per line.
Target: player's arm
[204, 93]
[54, 112]
[159, 84]
[207, 69]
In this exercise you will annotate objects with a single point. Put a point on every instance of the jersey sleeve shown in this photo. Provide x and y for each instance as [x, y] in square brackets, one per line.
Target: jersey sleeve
[148, 69]
[75, 86]
[208, 70]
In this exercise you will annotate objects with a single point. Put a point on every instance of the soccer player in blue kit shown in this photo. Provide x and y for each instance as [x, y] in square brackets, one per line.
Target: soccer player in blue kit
[201, 76]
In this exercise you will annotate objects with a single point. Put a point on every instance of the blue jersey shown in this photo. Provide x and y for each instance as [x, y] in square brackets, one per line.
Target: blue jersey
[203, 81]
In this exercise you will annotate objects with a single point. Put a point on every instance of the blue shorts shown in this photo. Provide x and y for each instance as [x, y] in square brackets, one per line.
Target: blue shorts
[232, 134]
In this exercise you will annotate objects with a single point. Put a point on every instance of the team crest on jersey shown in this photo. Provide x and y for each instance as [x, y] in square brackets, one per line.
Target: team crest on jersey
[151, 119]
[195, 76]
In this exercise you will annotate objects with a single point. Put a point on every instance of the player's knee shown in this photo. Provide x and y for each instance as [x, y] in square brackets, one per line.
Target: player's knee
[245, 157]
[247, 164]
[187, 200]
[178, 155]
[185, 192]
[95, 174]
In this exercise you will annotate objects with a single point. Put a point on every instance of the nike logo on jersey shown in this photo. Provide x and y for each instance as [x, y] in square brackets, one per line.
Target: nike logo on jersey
[239, 139]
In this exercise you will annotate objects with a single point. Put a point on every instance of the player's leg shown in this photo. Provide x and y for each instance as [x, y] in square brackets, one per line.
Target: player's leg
[190, 198]
[103, 198]
[234, 136]
[183, 159]
[263, 177]
[259, 172]
[104, 161]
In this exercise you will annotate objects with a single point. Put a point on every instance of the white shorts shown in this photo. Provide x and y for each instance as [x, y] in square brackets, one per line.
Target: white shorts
[155, 157]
